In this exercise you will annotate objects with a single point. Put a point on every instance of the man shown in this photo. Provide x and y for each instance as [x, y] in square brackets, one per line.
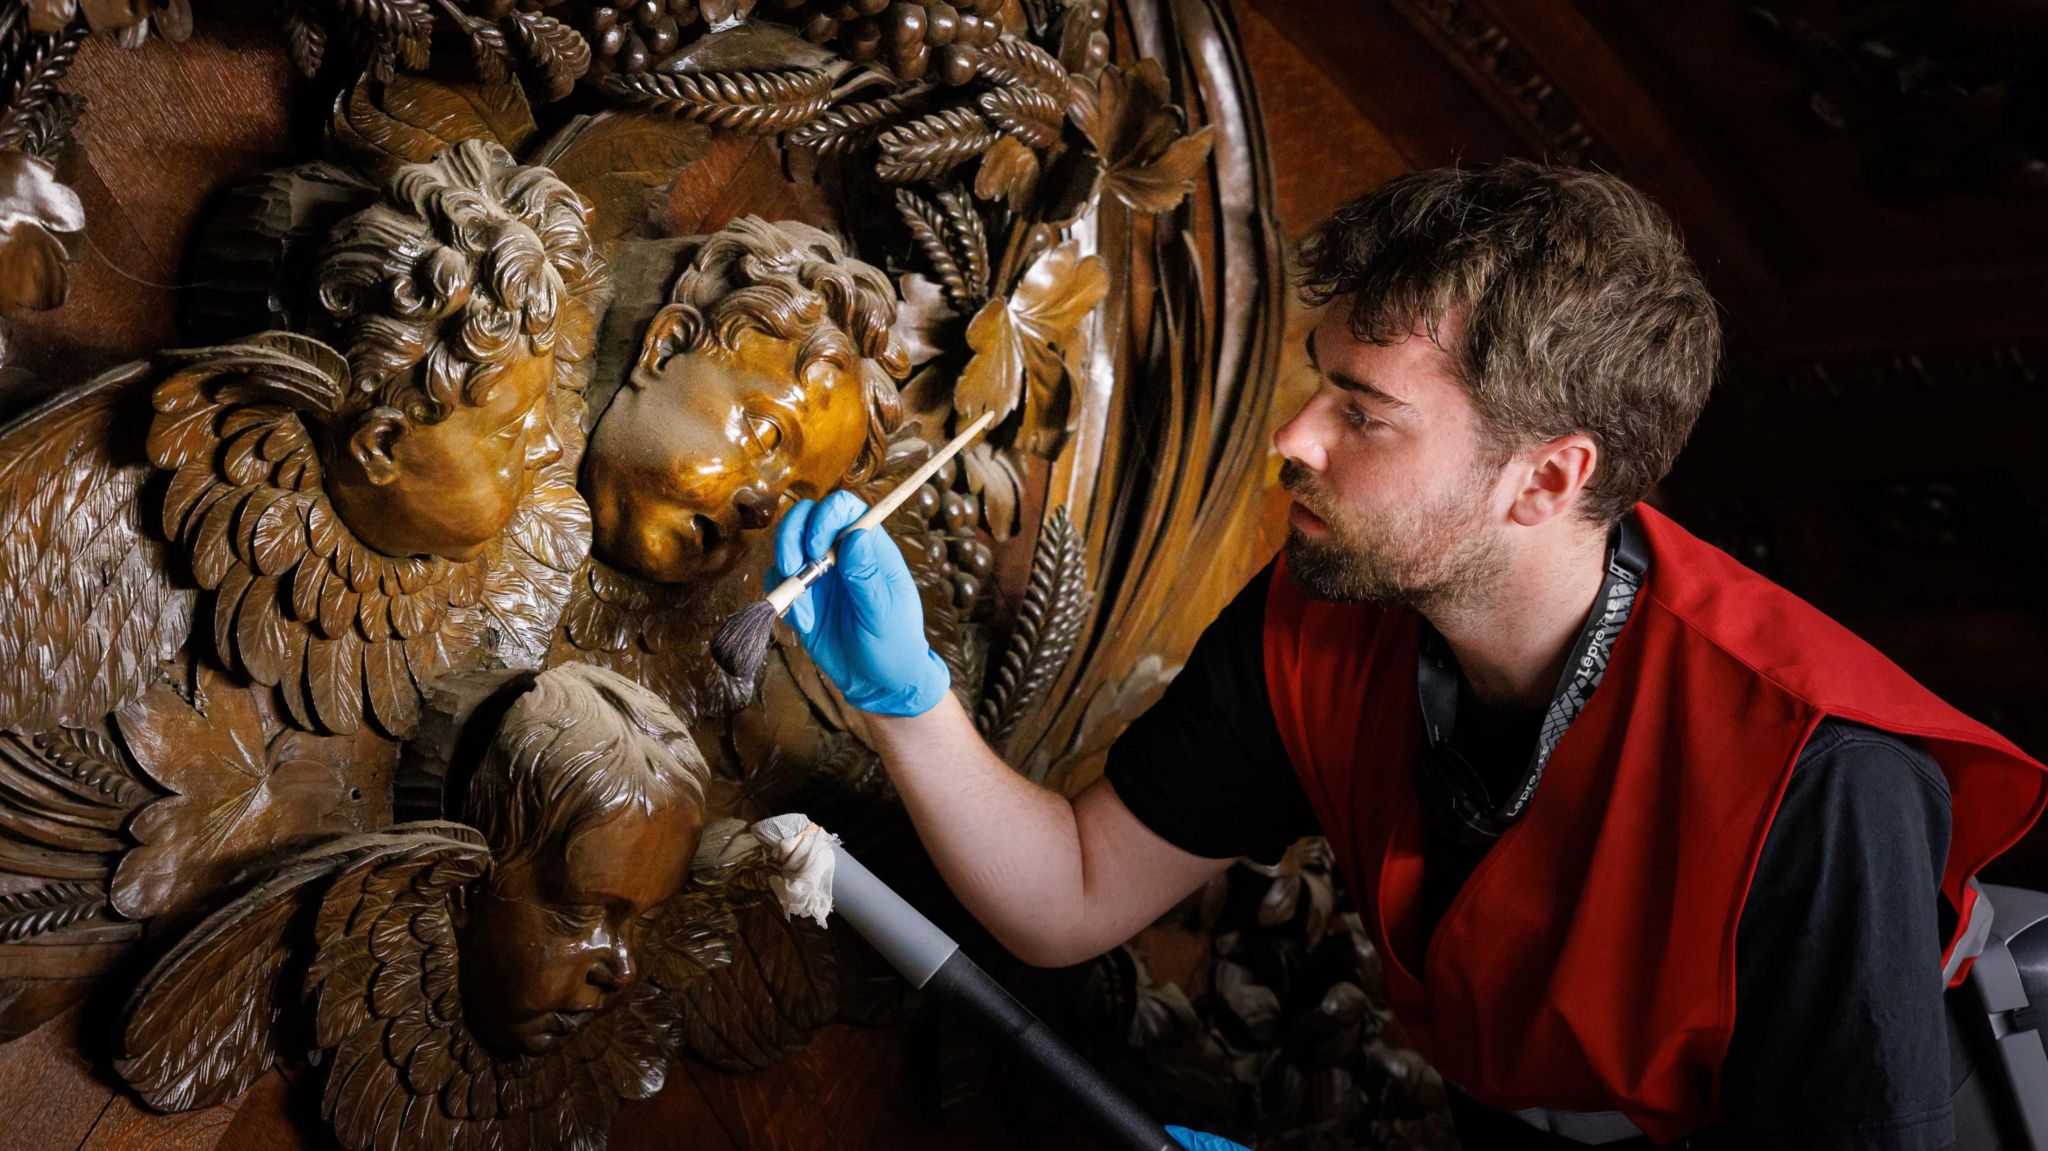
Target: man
[1716, 899]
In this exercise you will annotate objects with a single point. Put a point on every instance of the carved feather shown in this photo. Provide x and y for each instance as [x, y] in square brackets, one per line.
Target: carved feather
[204, 1023]
[87, 608]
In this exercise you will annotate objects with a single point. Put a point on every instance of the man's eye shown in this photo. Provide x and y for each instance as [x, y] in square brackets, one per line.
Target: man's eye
[1356, 417]
[767, 433]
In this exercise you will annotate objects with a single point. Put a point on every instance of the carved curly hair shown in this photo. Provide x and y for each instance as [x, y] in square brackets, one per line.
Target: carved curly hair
[578, 747]
[791, 281]
[469, 262]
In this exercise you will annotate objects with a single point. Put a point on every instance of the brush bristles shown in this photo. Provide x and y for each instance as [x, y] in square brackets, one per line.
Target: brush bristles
[741, 645]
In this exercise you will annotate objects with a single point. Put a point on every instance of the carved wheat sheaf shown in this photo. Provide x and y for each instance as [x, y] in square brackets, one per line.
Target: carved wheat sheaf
[952, 237]
[1030, 115]
[1022, 64]
[41, 910]
[1048, 623]
[849, 126]
[931, 144]
[757, 103]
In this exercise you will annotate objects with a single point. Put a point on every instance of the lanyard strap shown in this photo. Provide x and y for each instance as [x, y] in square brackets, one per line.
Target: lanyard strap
[1436, 679]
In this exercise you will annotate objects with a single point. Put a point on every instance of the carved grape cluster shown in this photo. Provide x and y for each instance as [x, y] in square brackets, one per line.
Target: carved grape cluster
[632, 37]
[952, 547]
[914, 39]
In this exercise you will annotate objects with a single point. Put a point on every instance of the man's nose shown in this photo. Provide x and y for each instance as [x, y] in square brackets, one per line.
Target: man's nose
[756, 507]
[1297, 439]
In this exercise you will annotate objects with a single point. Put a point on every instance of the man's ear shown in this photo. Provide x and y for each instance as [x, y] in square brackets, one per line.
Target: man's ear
[373, 441]
[664, 338]
[1559, 473]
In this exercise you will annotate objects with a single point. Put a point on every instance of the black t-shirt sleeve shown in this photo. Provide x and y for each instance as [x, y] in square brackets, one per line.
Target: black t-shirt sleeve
[1841, 1036]
[1204, 767]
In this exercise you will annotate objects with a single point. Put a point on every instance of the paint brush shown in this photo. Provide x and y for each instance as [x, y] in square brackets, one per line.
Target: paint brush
[742, 641]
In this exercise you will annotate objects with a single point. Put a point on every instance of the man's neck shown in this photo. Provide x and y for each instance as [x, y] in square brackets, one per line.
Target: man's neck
[1511, 640]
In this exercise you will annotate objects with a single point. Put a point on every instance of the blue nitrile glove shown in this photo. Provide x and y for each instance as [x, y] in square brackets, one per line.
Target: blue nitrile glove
[1196, 1141]
[862, 621]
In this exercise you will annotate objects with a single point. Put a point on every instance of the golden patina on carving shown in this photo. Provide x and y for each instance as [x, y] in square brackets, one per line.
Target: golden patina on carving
[769, 374]
[498, 982]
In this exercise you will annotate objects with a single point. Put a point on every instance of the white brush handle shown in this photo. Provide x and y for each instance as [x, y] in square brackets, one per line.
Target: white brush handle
[785, 593]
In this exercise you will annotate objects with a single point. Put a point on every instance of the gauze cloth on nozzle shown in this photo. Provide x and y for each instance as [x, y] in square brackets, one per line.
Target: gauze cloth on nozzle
[805, 886]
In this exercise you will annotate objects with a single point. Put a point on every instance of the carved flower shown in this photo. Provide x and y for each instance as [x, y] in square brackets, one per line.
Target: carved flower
[1020, 345]
[34, 211]
[1128, 114]
[244, 786]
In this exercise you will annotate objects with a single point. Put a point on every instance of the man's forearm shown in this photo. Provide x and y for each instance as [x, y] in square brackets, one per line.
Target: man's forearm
[1010, 850]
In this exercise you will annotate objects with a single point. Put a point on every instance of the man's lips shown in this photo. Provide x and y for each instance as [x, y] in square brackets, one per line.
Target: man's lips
[1305, 520]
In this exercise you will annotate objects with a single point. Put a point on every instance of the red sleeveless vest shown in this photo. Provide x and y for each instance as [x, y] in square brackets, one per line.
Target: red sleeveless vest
[1588, 964]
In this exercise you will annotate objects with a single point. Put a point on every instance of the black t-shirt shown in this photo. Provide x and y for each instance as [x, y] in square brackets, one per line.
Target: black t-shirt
[1840, 1036]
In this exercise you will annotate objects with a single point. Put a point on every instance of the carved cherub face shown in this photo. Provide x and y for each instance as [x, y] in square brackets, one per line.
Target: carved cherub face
[449, 487]
[770, 374]
[459, 300]
[551, 941]
[591, 799]
[706, 444]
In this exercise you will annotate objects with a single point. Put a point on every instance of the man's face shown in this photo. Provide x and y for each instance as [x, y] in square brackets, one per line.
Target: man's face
[1394, 487]
[704, 445]
[450, 487]
[552, 941]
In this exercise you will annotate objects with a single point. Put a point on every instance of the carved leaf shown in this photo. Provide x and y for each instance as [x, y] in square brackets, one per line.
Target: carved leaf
[1009, 170]
[1127, 114]
[920, 318]
[242, 787]
[845, 127]
[1019, 63]
[622, 162]
[1019, 342]
[928, 145]
[1048, 624]
[759, 103]
[87, 608]
[411, 119]
[1028, 114]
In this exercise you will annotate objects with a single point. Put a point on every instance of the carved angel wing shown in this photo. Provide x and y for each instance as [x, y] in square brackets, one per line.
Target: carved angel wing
[204, 1024]
[87, 605]
[782, 982]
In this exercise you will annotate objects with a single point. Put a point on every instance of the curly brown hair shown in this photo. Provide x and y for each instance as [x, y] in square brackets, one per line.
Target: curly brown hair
[791, 281]
[469, 262]
[1580, 310]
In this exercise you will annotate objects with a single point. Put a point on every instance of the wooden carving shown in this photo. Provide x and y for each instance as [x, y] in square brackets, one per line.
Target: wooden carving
[496, 983]
[768, 251]
[232, 571]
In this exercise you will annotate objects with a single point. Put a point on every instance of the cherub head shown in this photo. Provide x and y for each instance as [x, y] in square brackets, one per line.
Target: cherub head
[458, 299]
[769, 374]
[590, 799]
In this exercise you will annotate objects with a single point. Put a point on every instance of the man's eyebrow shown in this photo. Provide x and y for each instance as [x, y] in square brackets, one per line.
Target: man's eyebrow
[1352, 383]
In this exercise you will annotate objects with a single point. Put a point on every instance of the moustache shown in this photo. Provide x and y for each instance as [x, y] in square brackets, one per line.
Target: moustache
[1301, 483]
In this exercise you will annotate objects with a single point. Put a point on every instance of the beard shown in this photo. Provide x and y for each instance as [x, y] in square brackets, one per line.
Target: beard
[1427, 557]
